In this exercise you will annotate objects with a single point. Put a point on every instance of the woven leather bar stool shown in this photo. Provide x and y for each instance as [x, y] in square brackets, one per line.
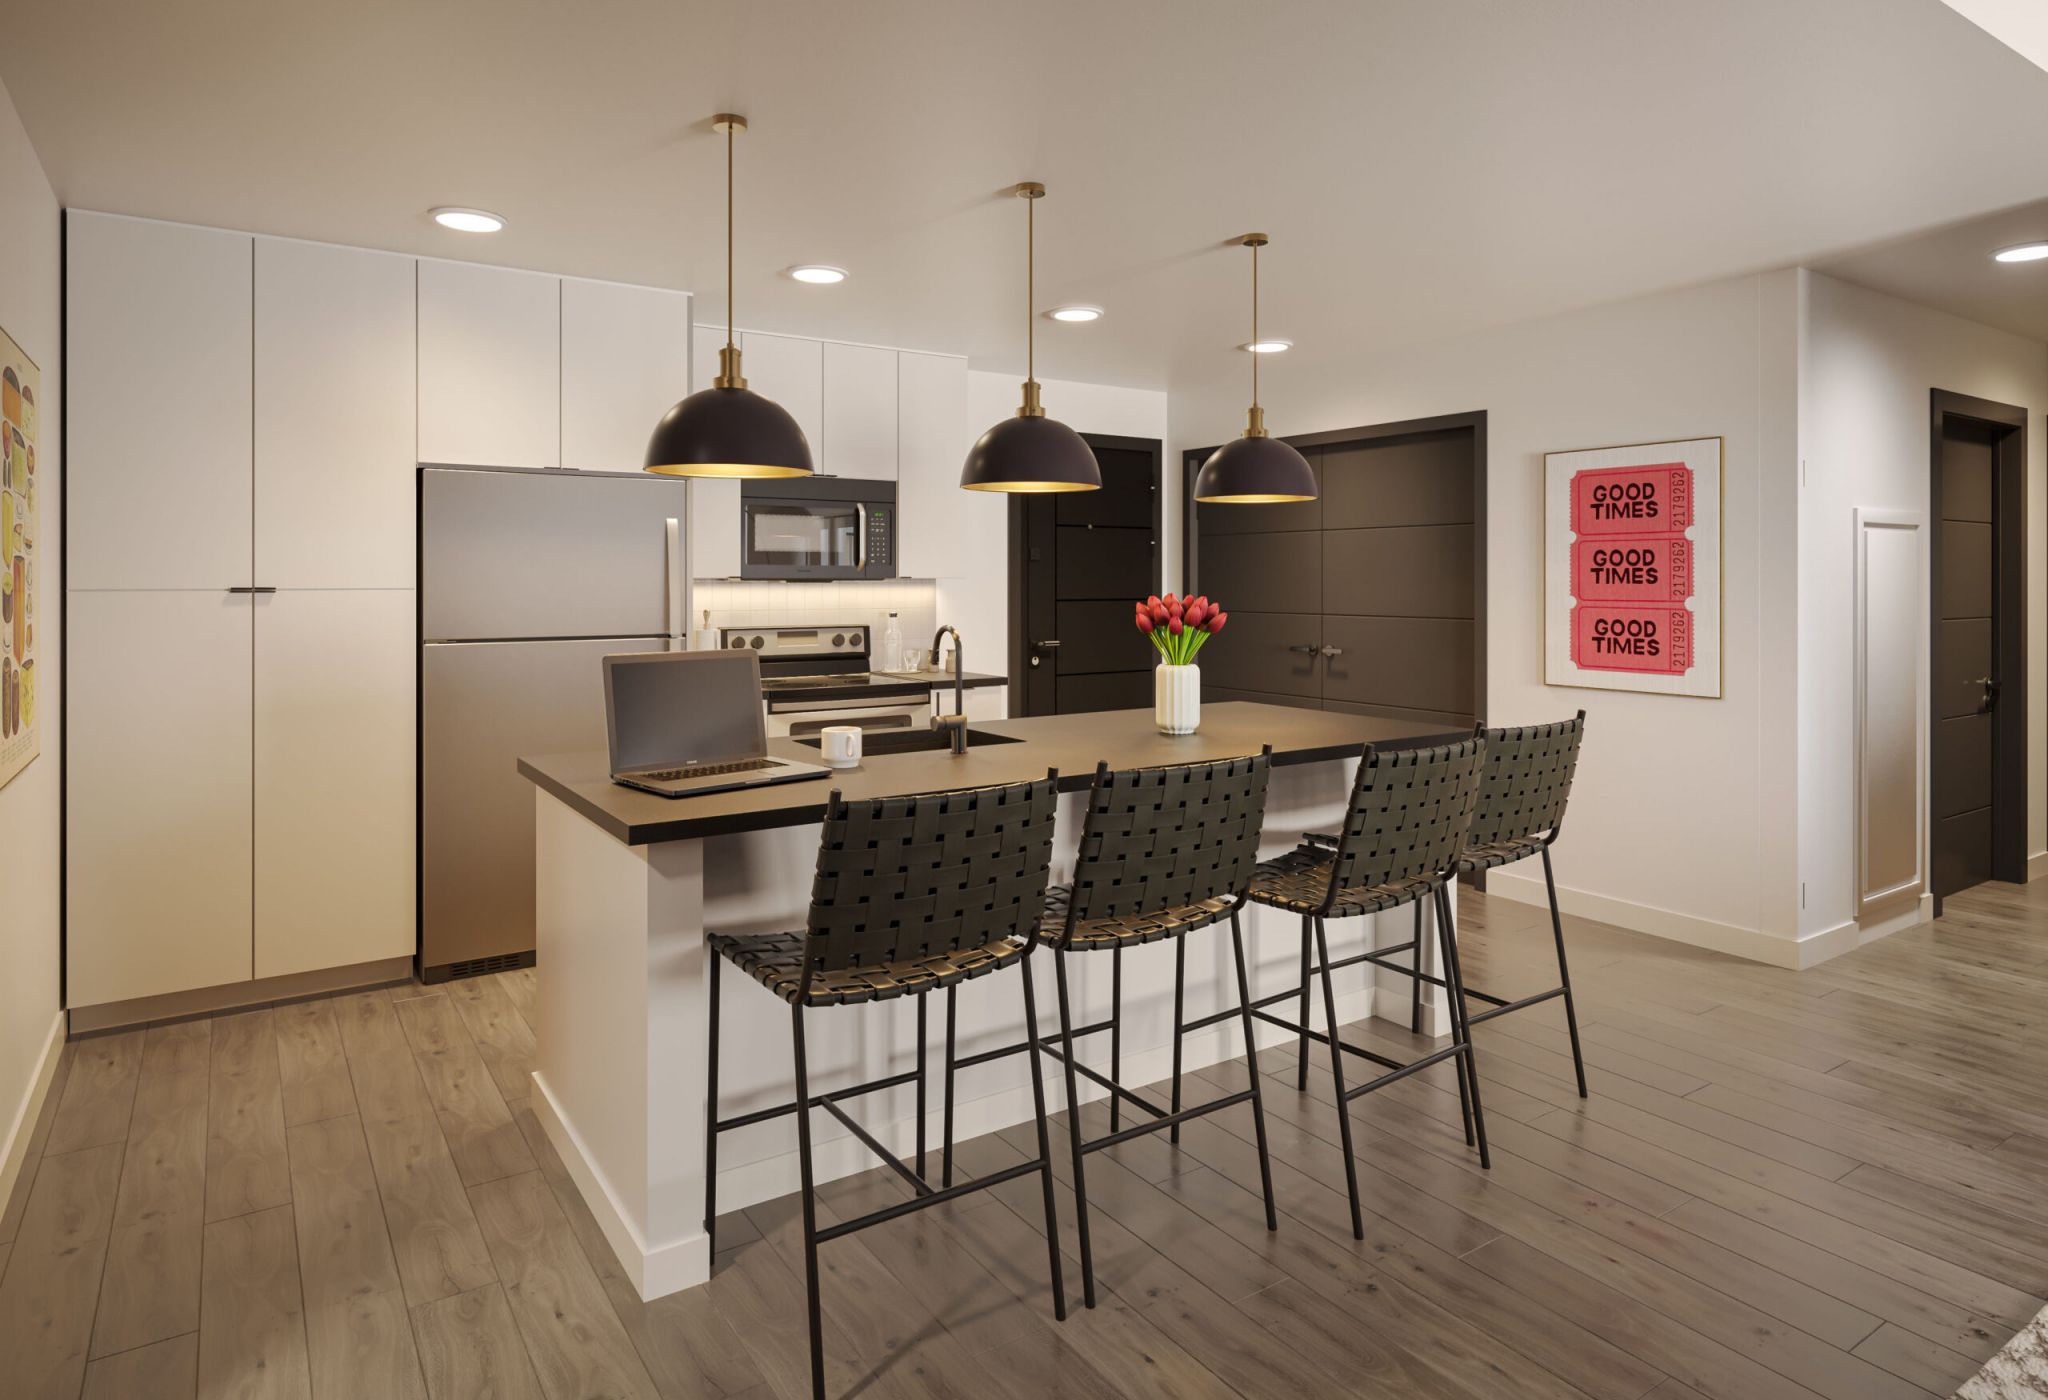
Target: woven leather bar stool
[1407, 820]
[911, 894]
[1164, 852]
[1522, 794]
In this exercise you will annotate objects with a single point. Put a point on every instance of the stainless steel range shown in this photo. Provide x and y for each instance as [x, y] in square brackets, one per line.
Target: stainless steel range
[815, 677]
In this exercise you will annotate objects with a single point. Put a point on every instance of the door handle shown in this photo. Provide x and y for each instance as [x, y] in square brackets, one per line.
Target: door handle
[1305, 649]
[1333, 651]
[1990, 684]
[247, 588]
[1053, 644]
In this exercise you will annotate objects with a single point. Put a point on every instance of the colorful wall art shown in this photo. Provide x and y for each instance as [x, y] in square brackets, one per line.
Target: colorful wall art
[20, 384]
[1632, 568]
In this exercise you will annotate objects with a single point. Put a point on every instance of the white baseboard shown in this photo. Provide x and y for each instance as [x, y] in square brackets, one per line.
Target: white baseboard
[2037, 866]
[29, 1109]
[1732, 939]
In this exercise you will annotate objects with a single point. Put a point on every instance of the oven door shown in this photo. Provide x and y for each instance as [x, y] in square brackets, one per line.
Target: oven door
[789, 538]
[792, 716]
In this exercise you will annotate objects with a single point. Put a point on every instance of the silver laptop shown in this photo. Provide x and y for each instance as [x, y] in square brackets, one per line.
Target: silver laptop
[686, 722]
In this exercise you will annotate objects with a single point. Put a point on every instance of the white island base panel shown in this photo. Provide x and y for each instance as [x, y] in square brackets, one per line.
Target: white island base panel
[622, 969]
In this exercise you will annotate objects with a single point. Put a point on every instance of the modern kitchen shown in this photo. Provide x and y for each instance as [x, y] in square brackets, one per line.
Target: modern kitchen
[749, 732]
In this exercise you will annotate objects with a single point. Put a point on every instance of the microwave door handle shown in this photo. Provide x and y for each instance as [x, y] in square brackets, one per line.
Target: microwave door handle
[860, 536]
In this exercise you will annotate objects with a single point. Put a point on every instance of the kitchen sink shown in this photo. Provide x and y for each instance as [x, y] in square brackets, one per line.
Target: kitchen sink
[916, 741]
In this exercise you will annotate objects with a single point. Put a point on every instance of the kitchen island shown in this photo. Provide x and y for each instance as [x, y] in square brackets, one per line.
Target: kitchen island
[628, 882]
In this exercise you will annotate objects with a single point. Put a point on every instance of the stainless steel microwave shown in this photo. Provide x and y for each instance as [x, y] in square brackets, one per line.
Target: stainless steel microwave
[819, 527]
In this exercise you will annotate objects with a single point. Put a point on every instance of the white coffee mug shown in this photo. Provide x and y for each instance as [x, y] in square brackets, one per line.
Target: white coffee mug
[840, 745]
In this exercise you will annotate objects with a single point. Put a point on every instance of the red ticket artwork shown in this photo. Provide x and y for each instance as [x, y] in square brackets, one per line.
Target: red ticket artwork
[1616, 637]
[1651, 500]
[1644, 569]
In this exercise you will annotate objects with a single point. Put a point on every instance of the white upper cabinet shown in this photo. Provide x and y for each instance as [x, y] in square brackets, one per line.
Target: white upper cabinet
[157, 400]
[790, 371]
[859, 420]
[942, 531]
[625, 360]
[490, 369]
[336, 429]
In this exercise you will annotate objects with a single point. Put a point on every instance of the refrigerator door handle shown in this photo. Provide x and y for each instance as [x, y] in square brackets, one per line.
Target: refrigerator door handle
[678, 588]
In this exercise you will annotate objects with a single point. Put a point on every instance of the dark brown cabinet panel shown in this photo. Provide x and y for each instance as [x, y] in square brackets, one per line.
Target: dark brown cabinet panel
[1098, 636]
[1413, 663]
[1216, 695]
[1424, 479]
[1402, 571]
[1450, 722]
[1110, 690]
[1279, 572]
[1271, 653]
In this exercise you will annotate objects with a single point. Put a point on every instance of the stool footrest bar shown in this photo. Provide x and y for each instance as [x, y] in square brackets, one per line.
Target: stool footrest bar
[1503, 1008]
[817, 1101]
[1227, 1101]
[1401, 1071]
[916, 1203]
[889, 1159]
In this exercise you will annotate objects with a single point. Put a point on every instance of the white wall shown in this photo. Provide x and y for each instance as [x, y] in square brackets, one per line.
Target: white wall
[1868, 364]
[30, 806]
[1682, 818]
[979, 605]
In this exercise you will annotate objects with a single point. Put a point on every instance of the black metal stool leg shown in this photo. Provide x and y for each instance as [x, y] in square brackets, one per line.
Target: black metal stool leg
[1116, 1032]
[1059, 966]
[1301, 1050]
[952, 1022]
[803, 1144]
[1337, 1074]
[1462, 1021]
[1251, 1060]
[923, 1054]
[1180, 983]
[1415, 982]
[1052, 1224]
[1564, 976]
[711, 1119]
[1458, 1034]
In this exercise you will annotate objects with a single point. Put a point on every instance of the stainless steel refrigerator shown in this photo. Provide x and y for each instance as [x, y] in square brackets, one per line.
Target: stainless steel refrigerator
[527, 578]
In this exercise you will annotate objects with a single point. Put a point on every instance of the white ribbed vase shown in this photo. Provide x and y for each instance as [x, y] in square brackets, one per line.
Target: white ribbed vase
[1177, 698]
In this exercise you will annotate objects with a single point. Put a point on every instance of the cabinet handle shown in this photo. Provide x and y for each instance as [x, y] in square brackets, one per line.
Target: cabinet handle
[249, 588]
[1333, 651]
[1305, 649]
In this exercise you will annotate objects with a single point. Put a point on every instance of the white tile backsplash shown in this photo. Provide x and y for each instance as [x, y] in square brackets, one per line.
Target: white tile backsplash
[756, 603]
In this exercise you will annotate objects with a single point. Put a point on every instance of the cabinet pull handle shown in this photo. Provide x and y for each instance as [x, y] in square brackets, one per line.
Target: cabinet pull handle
[1305, 649]
[250, 588]
[1333, 651]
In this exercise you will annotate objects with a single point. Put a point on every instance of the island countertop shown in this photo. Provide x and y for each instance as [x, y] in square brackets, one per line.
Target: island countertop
[1073, 744]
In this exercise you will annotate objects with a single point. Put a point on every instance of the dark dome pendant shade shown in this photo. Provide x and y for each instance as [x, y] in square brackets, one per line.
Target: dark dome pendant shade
[728, 430]
[1030, 452]
[1256, 469]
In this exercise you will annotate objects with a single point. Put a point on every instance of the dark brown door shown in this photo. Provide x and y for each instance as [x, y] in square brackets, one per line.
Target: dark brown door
[1977, 764]
[1084, 556]
[1366, 600]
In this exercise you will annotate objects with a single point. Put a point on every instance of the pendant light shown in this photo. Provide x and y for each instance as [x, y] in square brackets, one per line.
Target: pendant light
[728, 430]
[1030, 452]
[1256, 469]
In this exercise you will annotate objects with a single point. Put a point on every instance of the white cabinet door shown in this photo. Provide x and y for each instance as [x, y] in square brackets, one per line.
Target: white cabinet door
[859, 417]
[714, 504]
[157, 405]
[336, 427]
[790, 371]
[942, 531]
[335, 863]
[983, 702]
[157, 808]
[625, 360]
[490, 366]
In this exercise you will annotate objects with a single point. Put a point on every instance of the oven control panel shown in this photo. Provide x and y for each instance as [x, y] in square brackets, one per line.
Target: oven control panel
[796, 643]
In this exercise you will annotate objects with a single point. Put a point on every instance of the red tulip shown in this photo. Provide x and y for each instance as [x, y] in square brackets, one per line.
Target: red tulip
[1151, 602]
[1145, 622]
[1174, 626]
[1159, 613]
[1196, 614]
[1170, 600]
[1216, 621]
[1201, 602]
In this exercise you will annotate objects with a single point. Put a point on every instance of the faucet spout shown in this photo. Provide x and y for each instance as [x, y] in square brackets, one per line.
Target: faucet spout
[957, 721]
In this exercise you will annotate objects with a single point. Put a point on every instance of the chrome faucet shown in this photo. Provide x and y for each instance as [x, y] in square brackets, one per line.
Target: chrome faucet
[957, 721]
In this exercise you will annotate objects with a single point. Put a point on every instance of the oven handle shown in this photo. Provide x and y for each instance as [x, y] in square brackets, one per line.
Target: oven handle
[796, 705]
[860, 537]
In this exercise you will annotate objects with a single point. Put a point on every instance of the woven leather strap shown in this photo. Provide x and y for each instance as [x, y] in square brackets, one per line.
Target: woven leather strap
[1526, 780]
[1409, 813]
[1163, 838]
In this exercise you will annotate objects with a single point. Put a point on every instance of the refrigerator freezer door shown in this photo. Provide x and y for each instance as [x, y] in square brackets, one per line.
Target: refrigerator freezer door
[482, 706]
[545, 554]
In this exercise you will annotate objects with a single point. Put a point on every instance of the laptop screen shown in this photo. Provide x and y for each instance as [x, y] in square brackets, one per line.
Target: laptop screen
[666, 709]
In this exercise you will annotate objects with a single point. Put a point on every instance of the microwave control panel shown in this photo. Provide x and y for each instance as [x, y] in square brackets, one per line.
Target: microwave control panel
[880, 550]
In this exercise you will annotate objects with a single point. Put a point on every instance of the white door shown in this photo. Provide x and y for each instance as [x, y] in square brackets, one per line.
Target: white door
[940, 527]
[336, 426]
[157, 405]
[157, 807]
[625, 360]
[859, 416]
[490, 366]
[790, 371]
[714, 504]
[335, 863]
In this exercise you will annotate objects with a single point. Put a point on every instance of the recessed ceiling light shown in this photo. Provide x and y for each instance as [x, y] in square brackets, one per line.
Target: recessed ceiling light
[819, 274]
[2022, 252]
[1075, 313]
[467, 220]
[1267, 347]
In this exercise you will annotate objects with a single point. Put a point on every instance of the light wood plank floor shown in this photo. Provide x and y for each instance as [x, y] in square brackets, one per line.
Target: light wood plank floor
[1784, 1186]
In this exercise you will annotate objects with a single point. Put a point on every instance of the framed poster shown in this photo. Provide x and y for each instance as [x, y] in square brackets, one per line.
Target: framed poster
[20, 383]
[1632, 568]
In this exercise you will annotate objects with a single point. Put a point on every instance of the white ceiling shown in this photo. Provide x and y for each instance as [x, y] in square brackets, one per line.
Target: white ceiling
[1424, 166]
[1951, 268]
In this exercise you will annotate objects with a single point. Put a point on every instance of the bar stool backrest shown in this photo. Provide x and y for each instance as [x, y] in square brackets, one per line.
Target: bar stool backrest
[906, 877]
[1409, 812]
[1527, 777]
[1160, 838]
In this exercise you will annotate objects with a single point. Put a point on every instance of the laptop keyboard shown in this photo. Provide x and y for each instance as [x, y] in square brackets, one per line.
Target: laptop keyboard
[705, 770]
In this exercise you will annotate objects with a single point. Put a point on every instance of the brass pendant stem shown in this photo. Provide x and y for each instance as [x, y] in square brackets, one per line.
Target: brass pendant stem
[1032, 407]
[1255, 422]
[1030, 192]
[729, 376]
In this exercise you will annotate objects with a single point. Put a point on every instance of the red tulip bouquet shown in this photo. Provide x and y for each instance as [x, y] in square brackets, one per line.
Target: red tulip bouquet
[1180, 627]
